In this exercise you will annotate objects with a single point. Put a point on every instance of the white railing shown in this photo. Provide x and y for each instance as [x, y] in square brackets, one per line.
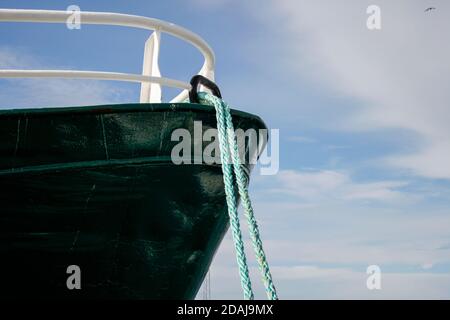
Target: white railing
[150, 79]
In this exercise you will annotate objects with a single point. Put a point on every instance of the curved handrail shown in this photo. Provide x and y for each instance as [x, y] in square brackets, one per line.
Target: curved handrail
[97, 75]
[106, 18]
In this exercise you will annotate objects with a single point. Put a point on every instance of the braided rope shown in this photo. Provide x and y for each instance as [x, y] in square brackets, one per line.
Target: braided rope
[231, 199]
[228, 144]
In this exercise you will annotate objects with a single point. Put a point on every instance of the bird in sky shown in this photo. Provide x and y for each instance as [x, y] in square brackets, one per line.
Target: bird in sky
[429, 9]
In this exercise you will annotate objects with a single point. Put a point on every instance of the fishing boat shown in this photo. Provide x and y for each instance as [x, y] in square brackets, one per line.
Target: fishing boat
[94, 188]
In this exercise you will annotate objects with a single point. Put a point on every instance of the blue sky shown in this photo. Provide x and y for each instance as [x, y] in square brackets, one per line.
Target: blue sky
[363, 118]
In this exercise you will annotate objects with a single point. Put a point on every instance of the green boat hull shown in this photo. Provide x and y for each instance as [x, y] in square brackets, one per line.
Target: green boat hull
[95, 187]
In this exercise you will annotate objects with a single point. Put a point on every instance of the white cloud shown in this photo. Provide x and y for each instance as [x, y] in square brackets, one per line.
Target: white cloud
[9, 59]
[314, 222]
[316, 185]
[301, 139]
[427, 266]
[399, 75]
[305, 279]
[29, 93]
[432, 161]
[57, 93]
[393, 78]
[319, 238]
